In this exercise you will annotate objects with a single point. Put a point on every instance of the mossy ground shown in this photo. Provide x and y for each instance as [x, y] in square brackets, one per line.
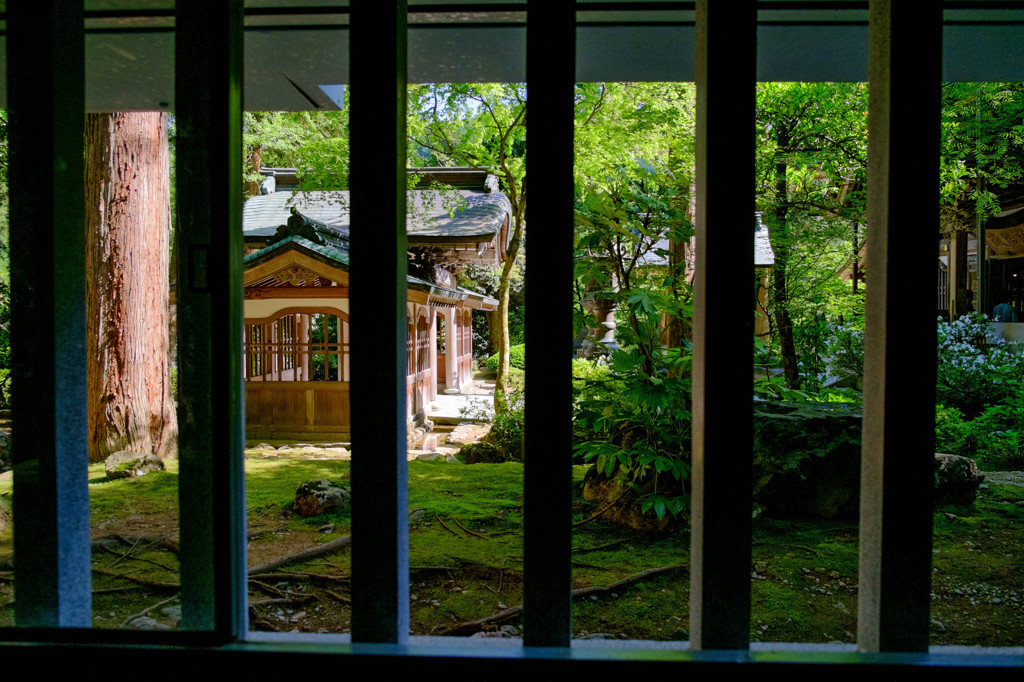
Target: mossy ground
[466, 560]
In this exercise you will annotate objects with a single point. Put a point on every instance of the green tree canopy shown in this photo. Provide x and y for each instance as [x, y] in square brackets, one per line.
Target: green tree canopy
[811, 180]
[482, 126]
[982, 149]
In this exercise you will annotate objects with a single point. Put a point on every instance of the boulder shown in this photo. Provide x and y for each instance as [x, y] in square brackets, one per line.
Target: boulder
[623, 503]
[807, 459]
[316, 496]
[956, 479]
[126, 464]
[484, 453]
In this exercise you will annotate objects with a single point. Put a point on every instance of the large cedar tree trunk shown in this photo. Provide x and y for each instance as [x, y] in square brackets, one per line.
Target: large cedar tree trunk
[128, 222]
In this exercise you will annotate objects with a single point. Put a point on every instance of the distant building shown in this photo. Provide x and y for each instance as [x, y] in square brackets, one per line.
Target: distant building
[297, 325]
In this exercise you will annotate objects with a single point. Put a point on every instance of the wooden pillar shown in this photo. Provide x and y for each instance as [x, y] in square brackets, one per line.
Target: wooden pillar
[45, 58]
[722, 418]
[897, 455]
[431, 385]
[303, 334]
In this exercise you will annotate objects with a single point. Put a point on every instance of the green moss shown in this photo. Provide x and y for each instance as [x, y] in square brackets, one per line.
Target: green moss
[466, 554]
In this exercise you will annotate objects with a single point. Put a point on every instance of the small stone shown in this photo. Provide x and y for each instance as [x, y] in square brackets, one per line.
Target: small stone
[147, 623]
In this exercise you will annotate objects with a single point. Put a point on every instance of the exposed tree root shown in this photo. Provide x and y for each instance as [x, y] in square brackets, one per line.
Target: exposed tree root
[475, 625]
[602, 510]
[628, 580]
[468, 531]
[583, 550]
[446, 527]
[154, 584]
[118, 590]
[164, 541]
[304, 576]
[274, 590]
[479, 564]
[342, 599]
[309, 553]
[282, 600]
[508, 614]
[146, 611]
[431, 569]
[128, 556]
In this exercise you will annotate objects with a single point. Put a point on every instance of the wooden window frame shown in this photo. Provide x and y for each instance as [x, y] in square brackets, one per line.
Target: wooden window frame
[46, 49]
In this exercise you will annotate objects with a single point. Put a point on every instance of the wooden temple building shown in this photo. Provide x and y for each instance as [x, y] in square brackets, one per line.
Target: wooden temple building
[296, 364]
[981, 261]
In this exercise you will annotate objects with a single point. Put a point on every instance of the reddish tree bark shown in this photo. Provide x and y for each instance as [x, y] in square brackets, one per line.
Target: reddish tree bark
[128, 223]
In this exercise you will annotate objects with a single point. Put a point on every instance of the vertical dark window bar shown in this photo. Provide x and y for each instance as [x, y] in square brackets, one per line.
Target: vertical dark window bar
[380, 523]
[208, 97]
[722, 415]
[899, 347]
[45, 67]
[550, 76]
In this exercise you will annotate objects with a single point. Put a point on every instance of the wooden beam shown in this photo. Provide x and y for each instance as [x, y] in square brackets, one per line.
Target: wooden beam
[722, 416]
[292, 258]
[211, 418]
[550, 75]
[263, 293]
[45, 64]
[380, 523]
[897, 455]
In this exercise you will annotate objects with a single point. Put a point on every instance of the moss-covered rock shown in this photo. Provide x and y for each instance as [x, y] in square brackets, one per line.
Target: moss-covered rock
[623, 506]
[126, 464]
[807, 461]
[807, 458]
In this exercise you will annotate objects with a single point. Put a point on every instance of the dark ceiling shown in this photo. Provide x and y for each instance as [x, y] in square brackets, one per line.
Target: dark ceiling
[293, 47]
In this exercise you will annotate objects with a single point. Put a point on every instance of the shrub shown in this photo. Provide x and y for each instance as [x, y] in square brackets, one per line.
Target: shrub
[516, 358]
[975, 368]
[999, 433]
[952, 433]
[634, 425]
[504, 442]
[846, 351]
